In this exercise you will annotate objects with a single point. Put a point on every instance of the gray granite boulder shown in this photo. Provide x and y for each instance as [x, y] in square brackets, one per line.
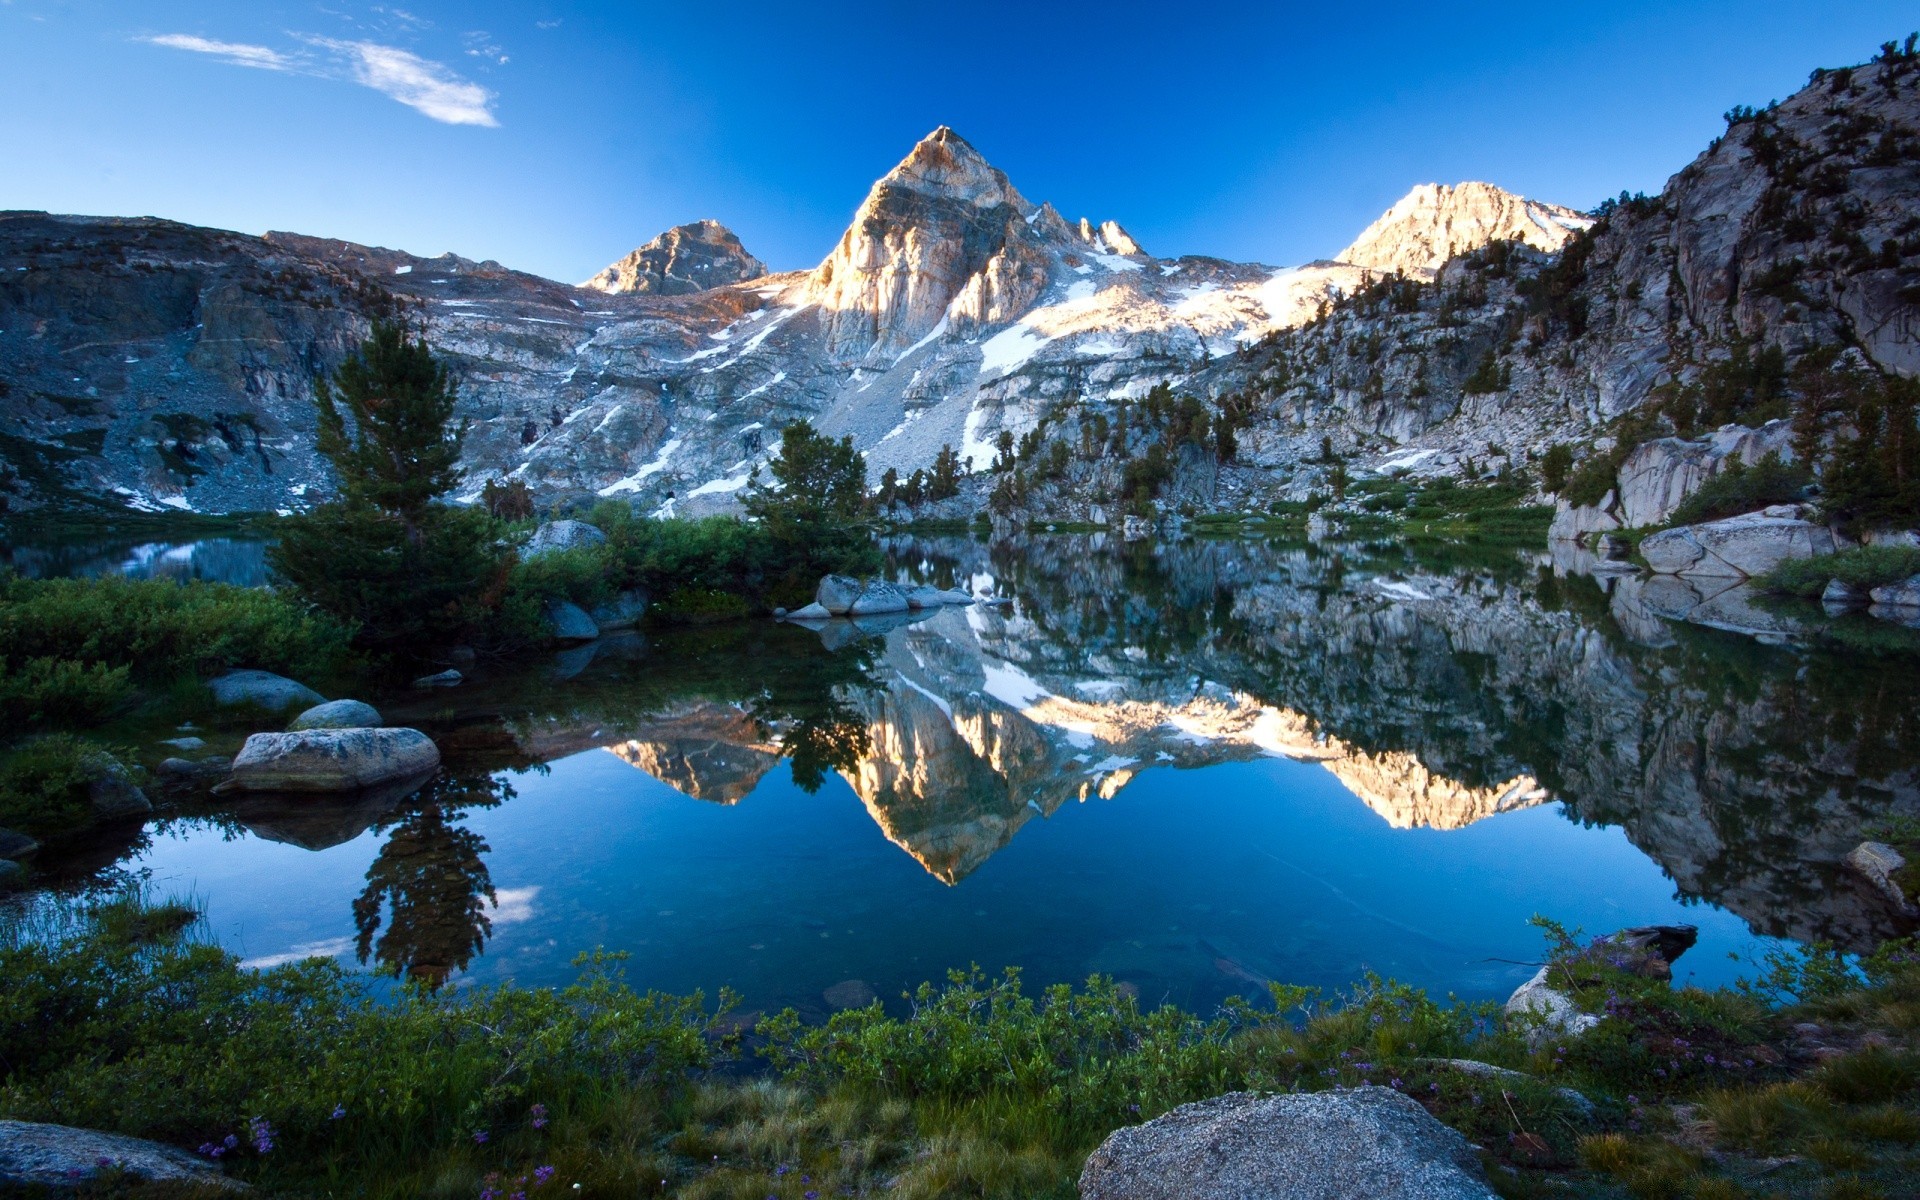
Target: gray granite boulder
[332, 760]
[1879, 863]
[263, 689]
[439, 679]
[1737, 547]
[810, 612]
[923, 596]
[568, 622]
[878, 597]
[556, 536]
[1367, 1143]
[622, 612]
[14, 844]
[1647, 950]
[111, 791]
[837, 593]
[338, 714]
[62, 1157]
[1905, 594]
[1841, 595]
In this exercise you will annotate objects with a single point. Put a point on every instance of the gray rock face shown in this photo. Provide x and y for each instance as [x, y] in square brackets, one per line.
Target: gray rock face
[810, 612]
[556, 536]
[275, 693]
[878, 597]
[1841, 595]
[1364, 1144]
[1905, 594]
[1737, 547]
[1647, 950]
[1658, 475]
[60, 1156]
[683, 260]
[622, 612]
[568, 622]
[1879, 862]
[1434, 223]
[337, 714]
[332, 760]
[837, 593]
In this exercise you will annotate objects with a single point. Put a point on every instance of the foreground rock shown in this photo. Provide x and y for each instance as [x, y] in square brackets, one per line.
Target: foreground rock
[876, 598]
[111, 791]
[60, 1156]
[263, 689]
[332, 760]
[1737, 547]
[1369, 1143]
[837, 593]
[1905, 594]
[338, 714]
[557, 536]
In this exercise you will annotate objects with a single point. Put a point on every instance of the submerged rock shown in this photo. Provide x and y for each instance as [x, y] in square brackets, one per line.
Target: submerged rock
[442, 679]
[554, 537]
[811, 612]
[264, 689]
[59, 1156]
[332, 760]
[338, 714]
[1367, 1143]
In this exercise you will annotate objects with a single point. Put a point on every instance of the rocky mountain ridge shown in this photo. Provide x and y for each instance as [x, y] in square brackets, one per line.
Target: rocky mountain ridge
[157, 365]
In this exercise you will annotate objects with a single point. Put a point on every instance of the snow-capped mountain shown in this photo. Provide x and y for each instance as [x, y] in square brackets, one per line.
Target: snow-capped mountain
[686, 258]
[1434, 223]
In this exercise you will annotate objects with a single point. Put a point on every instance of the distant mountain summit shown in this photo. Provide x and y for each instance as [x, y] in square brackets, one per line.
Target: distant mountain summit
[683, 260]
[1434, 222]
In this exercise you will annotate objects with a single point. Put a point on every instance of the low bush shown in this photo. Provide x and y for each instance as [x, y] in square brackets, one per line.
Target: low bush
[1861, 567]
[86, 631]
[44, 783]
[44, 692]
[1739, 488]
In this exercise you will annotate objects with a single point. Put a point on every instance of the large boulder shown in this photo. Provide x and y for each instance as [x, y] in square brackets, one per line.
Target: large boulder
[837, 593]
[925, 596]
[622, 612]
[1647, 950]
[568, 622]
[1367, 1143]
[62, 1157]
[809, 612]
[1657, 476]
[556, 536]
[14, 844]
[1905, 594]
[332, 760]
[338, 714]
[1737, 547]
[263, 689]
[111, 791]
[1573, 522]
[878, 597]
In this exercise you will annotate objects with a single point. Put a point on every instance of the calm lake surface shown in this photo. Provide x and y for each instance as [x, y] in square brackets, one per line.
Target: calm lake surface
[1194, 766]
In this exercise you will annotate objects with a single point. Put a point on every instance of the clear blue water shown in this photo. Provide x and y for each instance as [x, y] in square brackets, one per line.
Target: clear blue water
[1194, 768]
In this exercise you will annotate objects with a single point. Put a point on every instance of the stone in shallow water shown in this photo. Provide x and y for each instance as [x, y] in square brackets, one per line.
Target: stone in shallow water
[568, 622]
[338, 714]
[332, 760]
[849, 993]
[275, 693]
[837, 593]
[1367, 1143]
[811, 612]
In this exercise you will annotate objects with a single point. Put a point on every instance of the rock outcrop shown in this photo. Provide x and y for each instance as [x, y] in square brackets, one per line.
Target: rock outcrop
[1359, 1144]
[1435, 222]
[1738, 547]
[60, 1157]
[333, 760]
[684, 259]
[554, 537]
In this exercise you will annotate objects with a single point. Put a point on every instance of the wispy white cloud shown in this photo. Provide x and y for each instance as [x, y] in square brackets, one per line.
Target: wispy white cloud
[330, 948]
[421, 84]
[238, 53]
[428, 87]
[553, 24]
[480, 44]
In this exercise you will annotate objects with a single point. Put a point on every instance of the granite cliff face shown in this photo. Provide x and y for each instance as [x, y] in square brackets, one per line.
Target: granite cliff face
[684, 259]
[1434, 223]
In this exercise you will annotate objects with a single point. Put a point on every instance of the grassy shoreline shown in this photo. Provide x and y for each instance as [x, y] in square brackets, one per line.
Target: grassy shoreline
[119, 1016]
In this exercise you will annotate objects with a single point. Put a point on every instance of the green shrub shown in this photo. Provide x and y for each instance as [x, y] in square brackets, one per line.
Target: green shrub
[1860, 567]
[1739, 488]
[51, 691]
[154, 631]
[44, 783]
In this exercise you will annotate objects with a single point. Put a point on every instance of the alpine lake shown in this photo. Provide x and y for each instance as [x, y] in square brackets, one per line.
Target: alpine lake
[1193, 765]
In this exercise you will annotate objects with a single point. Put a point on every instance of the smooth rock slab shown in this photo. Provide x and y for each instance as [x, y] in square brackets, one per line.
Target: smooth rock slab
[1743, 546]
[878, 597]
[332, 760]
[60, 1156]
[338, 714]
[923, 596]
[275, 693]
[556, 536]
[1368, 1143]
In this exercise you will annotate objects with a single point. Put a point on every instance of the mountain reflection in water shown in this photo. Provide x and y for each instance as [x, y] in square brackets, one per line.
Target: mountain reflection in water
[1438, 688]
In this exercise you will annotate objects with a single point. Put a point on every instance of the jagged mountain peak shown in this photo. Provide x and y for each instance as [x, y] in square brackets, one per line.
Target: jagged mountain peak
[1436, 221]
[944, 163]
[685, 259]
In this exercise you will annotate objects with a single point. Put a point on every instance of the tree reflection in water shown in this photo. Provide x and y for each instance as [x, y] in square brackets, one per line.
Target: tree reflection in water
[432, 883]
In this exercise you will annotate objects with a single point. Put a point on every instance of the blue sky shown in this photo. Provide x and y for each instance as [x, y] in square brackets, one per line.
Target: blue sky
[556, 136]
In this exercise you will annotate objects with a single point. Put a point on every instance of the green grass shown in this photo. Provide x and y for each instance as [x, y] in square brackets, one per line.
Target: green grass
[118, 1016]
[1860, 567]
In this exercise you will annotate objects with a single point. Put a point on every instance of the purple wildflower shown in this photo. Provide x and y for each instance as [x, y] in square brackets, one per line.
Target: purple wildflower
[782, 1169]
[339, 1110]
[542, 1175]
[261, 1134]
[479, 1137]
[539, 1112]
